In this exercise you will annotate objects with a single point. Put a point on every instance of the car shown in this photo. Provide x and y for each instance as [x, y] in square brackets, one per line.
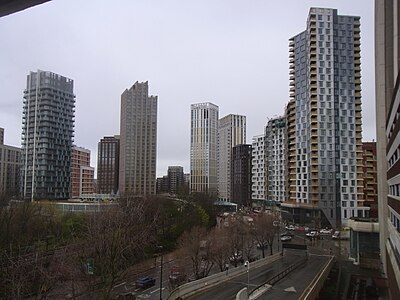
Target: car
[287, 233]
[286, 238]
[312, 234]
[290, 227]
[325, 231]
[261, 246]
[145, 282]
[236, 257]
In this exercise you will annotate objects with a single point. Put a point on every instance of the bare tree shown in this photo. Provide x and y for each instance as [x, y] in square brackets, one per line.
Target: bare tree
[248, 242]
[220, 251]
[197, 246]
[264, 231]
[116, 239]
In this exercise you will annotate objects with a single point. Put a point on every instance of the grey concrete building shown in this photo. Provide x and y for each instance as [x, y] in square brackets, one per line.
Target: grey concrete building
[324, 121]
[258, 168]
[275, 159]
[47, 136]
[203, 148]
[231, 132]
[175, 179]
[108, 164]
[138, 141]
[387, 58]
[10, 168]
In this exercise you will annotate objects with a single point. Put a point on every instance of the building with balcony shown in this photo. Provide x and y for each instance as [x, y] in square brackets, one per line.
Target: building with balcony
[387, 88]
[203, 148]
[108, 165]
[82, 174]
[138, 141]
[231, 132]
[325, 162]
[370, 178]
[275, 159]
[258, 168]
[47, 136]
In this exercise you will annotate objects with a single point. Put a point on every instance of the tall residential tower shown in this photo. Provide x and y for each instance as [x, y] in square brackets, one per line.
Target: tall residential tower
[108, 165]
[203, 148]
[258, 168]
[387, 58]
[138, 141]
[324, 121]
[47, 136]
[275, 159]
[231, 132]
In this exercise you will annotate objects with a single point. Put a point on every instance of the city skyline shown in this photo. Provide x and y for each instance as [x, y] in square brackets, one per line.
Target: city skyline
[244, 65]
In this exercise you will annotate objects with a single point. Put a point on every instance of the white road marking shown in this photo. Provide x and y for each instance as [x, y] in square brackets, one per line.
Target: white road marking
[115, 286]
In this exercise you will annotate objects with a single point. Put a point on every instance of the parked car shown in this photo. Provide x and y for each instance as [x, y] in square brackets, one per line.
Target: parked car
[286, 238]
[312, 234]
[236, 258]
[325, 231]
[287, 233]
[145, 282]
[290, 227]
[261, 246]
[177, 276]
[344, 235]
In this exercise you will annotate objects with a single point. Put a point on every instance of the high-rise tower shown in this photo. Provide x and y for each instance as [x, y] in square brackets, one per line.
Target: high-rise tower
[275, 159]
[231, 132]
[324, 120]
[387, 76]
[82, 174]
[258, 168]
[138, 141]
[203, 148]
[47, 136]
[108, 165]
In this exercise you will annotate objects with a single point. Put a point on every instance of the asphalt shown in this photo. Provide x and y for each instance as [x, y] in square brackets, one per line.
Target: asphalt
[296, 281]
[229, 289]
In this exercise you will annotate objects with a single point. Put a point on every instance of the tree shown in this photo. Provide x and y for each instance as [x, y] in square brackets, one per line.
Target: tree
[197, 246]
[219, 243]
[236, 238]
[117, 238]
[264, 231]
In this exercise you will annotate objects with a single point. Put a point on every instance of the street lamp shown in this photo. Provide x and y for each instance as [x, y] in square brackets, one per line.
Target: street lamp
[247, 264]
[161, 269]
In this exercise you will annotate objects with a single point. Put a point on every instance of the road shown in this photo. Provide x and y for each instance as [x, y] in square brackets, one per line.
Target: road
[296, 281]
[257, 277]
[324, 246]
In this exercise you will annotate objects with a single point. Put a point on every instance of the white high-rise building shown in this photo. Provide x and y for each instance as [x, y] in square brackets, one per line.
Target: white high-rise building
[138, 141]
[203, 148]
[275, 162]
[258, 168]
[231, 132]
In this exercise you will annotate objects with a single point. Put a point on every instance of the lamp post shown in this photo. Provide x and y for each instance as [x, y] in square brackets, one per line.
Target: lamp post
[247, 264]
[161, 269]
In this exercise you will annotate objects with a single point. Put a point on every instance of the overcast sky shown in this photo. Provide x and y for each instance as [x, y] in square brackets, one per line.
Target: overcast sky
[229, 52]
